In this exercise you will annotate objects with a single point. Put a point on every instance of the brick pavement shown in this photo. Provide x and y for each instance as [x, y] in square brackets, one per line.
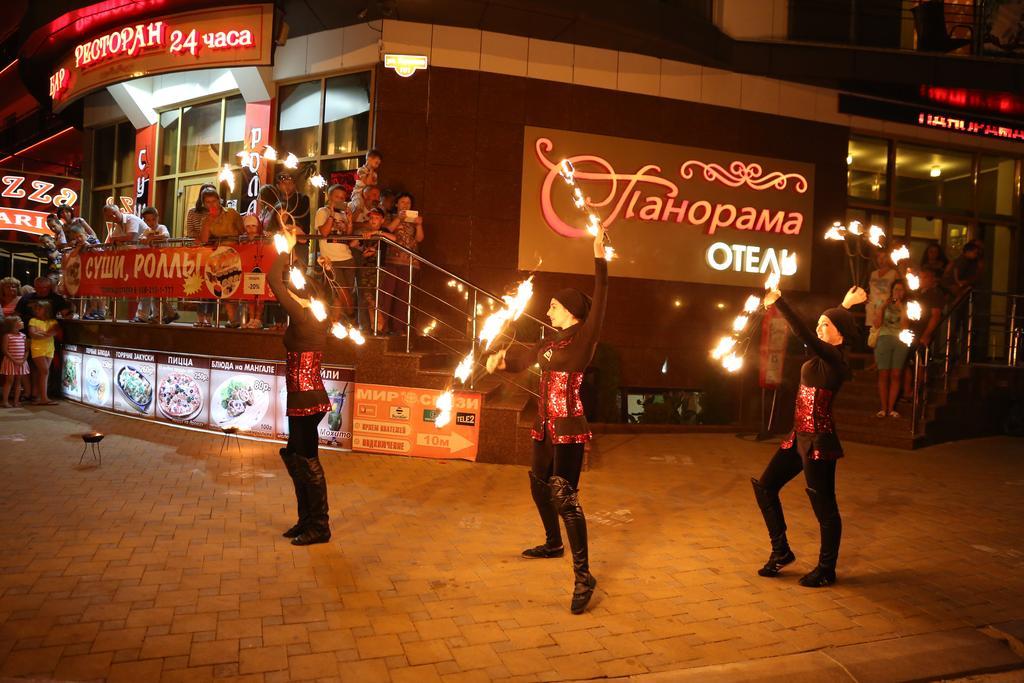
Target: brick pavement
[166, 564]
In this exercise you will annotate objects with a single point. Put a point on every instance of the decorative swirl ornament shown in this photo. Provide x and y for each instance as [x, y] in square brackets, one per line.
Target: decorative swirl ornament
[739, 174]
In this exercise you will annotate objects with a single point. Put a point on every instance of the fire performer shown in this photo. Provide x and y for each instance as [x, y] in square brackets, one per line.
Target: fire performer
[305, 339]
[813, 445]
[560, 430]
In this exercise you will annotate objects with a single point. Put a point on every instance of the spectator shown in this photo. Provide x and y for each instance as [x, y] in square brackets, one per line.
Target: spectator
[125, 227]
[57, 228]
[42, 328]
[931, 298]
[890, 353]
[284, 192]
[366, 174]
[934, 259]
[387, 203]
[367, 275]
[43, 291]
[10, 295]
[965, 271]
[252, 233]
[195, 214]
[879, 287]
[406, 230]
[155, 234]
[334, 223]
[362, 203]
[223, 225]
[80, 236]
[14, 366]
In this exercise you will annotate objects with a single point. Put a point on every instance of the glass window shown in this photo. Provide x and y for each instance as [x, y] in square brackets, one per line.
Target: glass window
[933, 178]
[96, 221]
[200, 137]
[996, 193]
[164, 201]
[299, 119]
[346, 114]
[926, 228]
[125, 153]
[234, 128]
[168, 132]
[103, 156]
[867, 163]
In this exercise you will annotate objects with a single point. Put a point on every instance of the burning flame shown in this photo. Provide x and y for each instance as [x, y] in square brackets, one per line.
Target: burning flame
[514, 307]
[907, 337]
[465, 368]
[431, 326]
[773, 280]
[739, 323]
[356, 336]
[444, 407]
[291, 161]
[900, 254]
[567, 171]
[753, 301]
[788, 264]
[339, 331]
[317, 181]
[297, 279]
[855, 228]
[609, 252]
[577, 198]
[913, 282]
[593, 224]
[270, 153]
[243, 155]
[226, 176]
[732, 362]
[835, 233]
[725, 345]
[876, 235]
[914, 310]
[318, 309]
[281, 244]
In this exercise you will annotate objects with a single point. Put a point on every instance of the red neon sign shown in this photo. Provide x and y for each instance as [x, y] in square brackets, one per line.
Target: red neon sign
[646, 196]
[970, 126]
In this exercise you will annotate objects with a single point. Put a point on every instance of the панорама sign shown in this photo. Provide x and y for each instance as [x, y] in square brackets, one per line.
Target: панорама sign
[674, 213]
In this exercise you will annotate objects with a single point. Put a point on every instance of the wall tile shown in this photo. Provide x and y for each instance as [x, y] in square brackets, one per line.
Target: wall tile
[362, 46]
[453, 92]
[396, 93]
[406, 37]
[451, 139]
[548, 104]
[504, 54]
[496, 193]
[826, 108]
[290, 59]
[759, 94]
[680, 80]
[499, 146]
[595, 67]
[639, 73]
[450, 190]
[502, 98]
[400, 136]
[325, 51]
[720, 87]
[796, 100]
[457, 48]
[549, 60]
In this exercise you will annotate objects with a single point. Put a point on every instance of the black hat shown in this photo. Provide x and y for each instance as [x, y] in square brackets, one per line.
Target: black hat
[844, 322]
[574, 301]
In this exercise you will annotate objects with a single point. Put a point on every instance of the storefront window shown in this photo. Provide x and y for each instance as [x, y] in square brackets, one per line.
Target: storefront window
[996, 190]
[113, 176]
[168, 142]
[103, 155]
[346, 114]
[200, 137]
[234, 128]
[868, 164]
[929, 177]
[299, 119]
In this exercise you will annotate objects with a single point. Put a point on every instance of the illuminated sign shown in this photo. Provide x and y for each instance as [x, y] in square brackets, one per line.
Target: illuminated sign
[673, 212]
[971, 126]
[26, 199]
[231, 36]
[931, 118]
[405, 65]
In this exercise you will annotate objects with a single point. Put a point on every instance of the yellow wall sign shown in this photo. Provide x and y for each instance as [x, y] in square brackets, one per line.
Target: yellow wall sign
[405, 65]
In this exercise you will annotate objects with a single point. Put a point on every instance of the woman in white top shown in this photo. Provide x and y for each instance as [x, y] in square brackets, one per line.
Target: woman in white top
[334, 222]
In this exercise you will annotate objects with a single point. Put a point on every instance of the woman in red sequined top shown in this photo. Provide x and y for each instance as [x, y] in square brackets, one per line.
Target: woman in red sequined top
[560, 429]
[813, 446]
[304, 340]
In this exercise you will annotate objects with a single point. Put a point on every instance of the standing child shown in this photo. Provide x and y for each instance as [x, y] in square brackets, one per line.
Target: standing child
[367, 173]
[42, 328]
[253, 233]
[15, 362]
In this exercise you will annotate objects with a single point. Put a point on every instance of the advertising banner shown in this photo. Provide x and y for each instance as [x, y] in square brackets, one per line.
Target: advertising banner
[242, 395]
[98, 377]
[27, 198]
[71, 372]
[183, 389]
[135, 382]
[774, 338]
[186, 272]
[335, 429]
[235, 36]
[400, 421]
[674, 213]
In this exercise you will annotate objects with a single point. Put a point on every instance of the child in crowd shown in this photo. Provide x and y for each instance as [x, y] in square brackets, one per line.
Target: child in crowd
[15, 362]
[42, 328]
[367, 173]
[252, 233]
[155, 234]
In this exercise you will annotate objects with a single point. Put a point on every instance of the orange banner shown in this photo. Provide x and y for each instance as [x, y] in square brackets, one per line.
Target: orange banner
[400, 421]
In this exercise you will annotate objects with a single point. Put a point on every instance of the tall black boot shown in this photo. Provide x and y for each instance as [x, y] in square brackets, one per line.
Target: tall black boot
[552, 547]
[300, 493]
[827, 511]
[566, 500]
[318, 528]
[771, 510]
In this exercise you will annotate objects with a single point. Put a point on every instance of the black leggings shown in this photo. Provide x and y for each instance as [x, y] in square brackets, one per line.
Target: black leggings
[302, 435]
[564, 460]
[787, 463]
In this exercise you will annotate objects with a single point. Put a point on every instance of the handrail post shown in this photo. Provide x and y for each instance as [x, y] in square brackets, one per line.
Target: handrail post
[408, 313]
[947, 366]
[376, 296]
[472, 339]
[216, 314]
[1011, 349]
[913, 412]
[970, 325]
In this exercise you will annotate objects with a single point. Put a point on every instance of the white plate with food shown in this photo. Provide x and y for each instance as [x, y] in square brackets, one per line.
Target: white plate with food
[179, 397]
[240, 402]
[97, 382]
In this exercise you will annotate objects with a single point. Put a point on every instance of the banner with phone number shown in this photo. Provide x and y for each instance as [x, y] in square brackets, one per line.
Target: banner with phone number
[235, 272]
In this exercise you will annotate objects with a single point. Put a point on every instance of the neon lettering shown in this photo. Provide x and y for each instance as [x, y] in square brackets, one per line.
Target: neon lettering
[746, 219]
[794, 221]
[705, 207]
[717, 221]
[39, 190]
[744, 258]
[770, 221]
[680, 213]
[651, 210]
[12, 187]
